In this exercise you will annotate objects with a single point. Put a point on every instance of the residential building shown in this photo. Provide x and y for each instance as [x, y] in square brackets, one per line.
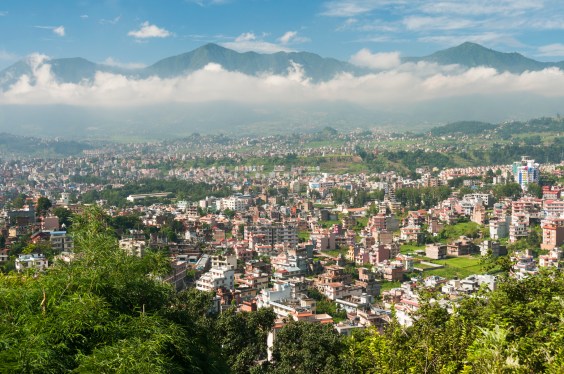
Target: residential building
[35, 261]
[133, 247]
[436, 251]
[526, 171]
[217, 278]
[61, 242]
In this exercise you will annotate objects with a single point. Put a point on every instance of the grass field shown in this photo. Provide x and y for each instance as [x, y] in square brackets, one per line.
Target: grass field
[336, 252]
[460, 267]
[409, 248]
[453, 232]
[385, 286]
[423, 266]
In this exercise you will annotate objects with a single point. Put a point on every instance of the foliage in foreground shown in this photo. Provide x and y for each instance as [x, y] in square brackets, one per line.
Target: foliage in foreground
[108, 312]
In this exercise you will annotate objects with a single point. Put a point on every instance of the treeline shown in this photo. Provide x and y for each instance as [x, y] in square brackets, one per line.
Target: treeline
[179, 189]
[357, 198]
[422, 198]
[503, 130]
[30, 146]
[463, 127]
[409, 161]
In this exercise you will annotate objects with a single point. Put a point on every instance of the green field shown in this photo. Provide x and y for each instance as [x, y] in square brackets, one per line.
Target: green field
[423, 266]
[410, 248]
[336, 252]
[385, 286]
[460, 267]
[453, 232]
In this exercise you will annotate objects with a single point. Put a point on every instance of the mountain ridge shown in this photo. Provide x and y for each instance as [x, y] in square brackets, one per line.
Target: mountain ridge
[471, 55]
[315, 67]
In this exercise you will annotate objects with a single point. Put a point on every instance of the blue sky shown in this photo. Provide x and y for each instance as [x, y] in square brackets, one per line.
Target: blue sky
[140, 32]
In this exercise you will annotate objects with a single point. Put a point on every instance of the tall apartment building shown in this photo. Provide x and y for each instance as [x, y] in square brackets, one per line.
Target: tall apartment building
[273, 233]
[217, 278]
[526, 171]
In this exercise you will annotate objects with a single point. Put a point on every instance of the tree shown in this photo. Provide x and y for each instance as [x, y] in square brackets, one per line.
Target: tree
[64, 215]
[305, 347]
[535, 190]
[104, 311]
[43, 205]
[19, 201]
[492, 353]
[243, 337]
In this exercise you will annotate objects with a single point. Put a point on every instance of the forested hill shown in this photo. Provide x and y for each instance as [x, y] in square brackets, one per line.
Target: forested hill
[503, 130]
[107, 312]
[463, 127]
[34, 147]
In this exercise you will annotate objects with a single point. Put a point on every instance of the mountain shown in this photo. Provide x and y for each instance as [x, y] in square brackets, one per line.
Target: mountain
[251, 63]
[76, 70]
[315, 67]
[472, 55]
[66, 70]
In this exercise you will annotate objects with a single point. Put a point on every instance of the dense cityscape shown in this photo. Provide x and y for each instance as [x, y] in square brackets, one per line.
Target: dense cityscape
[275, 187]
[351, 250]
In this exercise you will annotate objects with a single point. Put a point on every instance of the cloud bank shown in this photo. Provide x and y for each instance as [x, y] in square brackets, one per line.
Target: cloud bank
[397, 85]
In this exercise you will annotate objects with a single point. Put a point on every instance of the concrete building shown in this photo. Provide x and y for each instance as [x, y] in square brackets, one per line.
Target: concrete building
[31, 261]
[526, 171]
[273, 233]
[61, 242]
[217, 278]
[224, 260]
[436, 251]
[133, 247]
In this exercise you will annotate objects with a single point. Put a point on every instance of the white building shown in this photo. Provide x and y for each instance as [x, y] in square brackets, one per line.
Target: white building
[526, 171]
[499, 227]
[237, 203]
[217, 278]
[133, 247]
[221, 260]
[31, 261]
[279, 292]
[273, 233]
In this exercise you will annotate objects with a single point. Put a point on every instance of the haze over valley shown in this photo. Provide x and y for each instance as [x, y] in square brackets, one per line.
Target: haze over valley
[213, 88]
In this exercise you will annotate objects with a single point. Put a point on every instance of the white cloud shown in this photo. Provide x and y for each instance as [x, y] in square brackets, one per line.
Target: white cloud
[59, 30]
[436, 23]
[246, 37]
[287, 37]
[84, 16]
[378, 61]
[149, 31]
[351, 8]
[3, 13]
[126, 65]
[249, 41]
[403, 86]
[292, 37]
[551, 50]
[481, 7]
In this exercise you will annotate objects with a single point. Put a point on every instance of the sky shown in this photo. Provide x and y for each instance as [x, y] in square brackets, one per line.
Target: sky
[373, 34]
[140, 32]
